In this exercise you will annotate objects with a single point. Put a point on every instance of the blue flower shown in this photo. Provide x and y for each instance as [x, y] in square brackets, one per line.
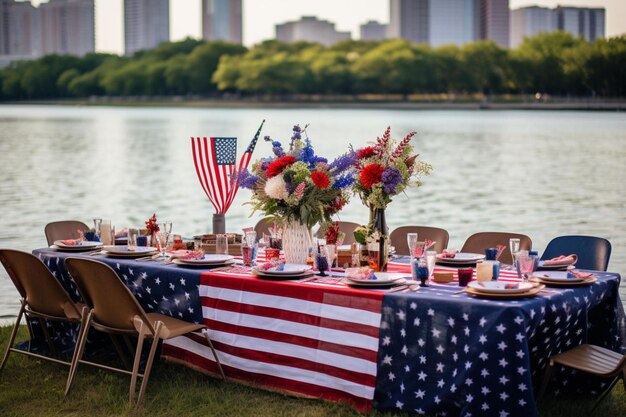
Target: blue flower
[344, 181]
[246, 180]
[267, 138]
[277, 148]
[342, 162]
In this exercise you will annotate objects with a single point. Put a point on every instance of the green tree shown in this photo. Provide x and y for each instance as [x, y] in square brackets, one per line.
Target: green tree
[604, 68]
[487, 66]
[203, 62]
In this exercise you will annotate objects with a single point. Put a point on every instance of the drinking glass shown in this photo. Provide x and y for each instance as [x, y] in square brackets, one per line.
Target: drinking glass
[514, 245]
[248, 253]
[525, 265]
[96, 226]
[166, 226]
[465, 276]
[431, 257]
[250, 238]
[331, 253]
[372, 257]
[132, 238]
[221, 244]
[484, 271]
[411, 240]
[321, 262]
[105, 232]
[162, 241]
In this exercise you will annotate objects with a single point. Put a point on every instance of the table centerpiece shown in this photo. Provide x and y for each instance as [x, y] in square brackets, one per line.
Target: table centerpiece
[298, 189]
[384, 169]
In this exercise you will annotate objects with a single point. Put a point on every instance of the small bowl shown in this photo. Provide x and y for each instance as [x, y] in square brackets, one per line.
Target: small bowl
[443, 277]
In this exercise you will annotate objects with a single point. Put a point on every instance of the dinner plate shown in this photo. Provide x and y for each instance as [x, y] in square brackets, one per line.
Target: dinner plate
[460, 258]
[557, 267]
[530, 293]
[500, 287]
[288, 269]
[569, 283]
[80, 246]
[200, 264]
[123, 252]
[296, 275]
[378, 279]
[208, 259]
[556, 276]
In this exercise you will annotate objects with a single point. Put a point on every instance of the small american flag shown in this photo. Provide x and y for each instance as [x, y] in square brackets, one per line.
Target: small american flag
[214, 159]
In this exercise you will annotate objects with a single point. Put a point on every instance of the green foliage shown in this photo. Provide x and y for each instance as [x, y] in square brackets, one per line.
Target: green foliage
[554, 63]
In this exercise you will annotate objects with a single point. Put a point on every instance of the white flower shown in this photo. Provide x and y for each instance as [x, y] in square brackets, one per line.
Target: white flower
[276, 188]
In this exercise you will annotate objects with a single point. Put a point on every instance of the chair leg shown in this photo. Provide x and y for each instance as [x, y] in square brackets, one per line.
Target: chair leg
[205, 332]
[146, 372]
[12, 338]
[545, 380]
[78, 350]
[133, 378]
[605, 393]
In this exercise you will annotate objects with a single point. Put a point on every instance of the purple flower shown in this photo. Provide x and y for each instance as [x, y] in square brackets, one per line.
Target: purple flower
[277, 148]
[391, 178]
[246, 180]
[267, 138]
[342, 162]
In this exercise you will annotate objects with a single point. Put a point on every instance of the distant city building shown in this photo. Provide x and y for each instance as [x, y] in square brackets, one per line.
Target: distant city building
[146, 24]
[67, 27]
[55, 27]
[440, 22]
[222, 20]
[588, 23]
[373, 31]
[310, 29]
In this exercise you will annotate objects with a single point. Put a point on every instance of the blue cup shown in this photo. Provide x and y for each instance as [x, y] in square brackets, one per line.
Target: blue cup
[490, 254]
[496, 270]
[142, 240]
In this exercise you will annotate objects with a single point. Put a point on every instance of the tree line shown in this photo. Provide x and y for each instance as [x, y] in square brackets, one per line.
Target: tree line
[555, 63]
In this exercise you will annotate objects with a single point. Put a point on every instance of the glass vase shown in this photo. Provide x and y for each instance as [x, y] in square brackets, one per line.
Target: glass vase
[296, 243]
[379, 228]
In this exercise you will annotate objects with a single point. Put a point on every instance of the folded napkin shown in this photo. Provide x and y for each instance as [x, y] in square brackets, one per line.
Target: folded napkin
[448, 253]
[360, 273]
[71, 242]
[186, 254]
[563, 260]
[579, 274]
[271, 266]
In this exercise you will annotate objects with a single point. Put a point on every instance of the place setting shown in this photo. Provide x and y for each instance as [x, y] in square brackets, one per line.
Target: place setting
[454, 258]
[500, 289]
[571, 278]
[75, 245]
[279, 270]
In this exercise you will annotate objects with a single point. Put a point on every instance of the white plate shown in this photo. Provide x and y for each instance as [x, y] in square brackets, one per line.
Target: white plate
[199, 263]
[461, 258]
[289, 269]
[499, 287]
[262, 274]
[208, 259]
[556, 276]
[379, 278]
[122, 251]
[80, 246]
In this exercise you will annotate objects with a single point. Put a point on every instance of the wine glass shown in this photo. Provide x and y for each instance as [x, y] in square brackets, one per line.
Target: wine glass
[514, 245]
[166, 226]
[411, 240]
[431, 257]
[331, 253]
[525, 265]
[96, 226]
[162, 238]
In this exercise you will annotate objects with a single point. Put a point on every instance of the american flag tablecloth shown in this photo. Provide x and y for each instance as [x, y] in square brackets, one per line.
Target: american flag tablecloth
[312, 339]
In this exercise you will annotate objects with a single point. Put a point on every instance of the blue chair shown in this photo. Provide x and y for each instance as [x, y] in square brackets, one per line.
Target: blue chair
[593, 252]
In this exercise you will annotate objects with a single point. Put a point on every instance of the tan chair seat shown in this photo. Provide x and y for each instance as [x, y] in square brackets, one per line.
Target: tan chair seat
[176, 327]
[589, 358]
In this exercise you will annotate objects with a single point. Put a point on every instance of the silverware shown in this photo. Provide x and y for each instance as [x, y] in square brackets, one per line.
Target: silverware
[459, 291]
[96, 252]
[398, 288]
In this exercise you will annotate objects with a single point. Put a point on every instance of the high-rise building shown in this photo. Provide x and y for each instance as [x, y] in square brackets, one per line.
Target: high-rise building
[582, 22]
[495, 21]
[439, 22]
[146, 24]
[373, 31]
[530, 21]
[310, 29]
[579, 21]
[222, 20]
[67, 27]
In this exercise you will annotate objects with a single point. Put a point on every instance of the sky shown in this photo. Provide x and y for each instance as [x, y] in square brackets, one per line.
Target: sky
[260, 17]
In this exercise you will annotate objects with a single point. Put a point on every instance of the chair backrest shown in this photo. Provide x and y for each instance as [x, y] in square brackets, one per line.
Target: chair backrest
[262, 227]
[65, 229]
[103, 291]
[36, 284]
[345, 227]
[593, 252]
[397, 238]
[478, 242]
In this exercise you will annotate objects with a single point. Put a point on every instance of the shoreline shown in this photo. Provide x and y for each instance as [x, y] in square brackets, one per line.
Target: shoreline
[573, 104]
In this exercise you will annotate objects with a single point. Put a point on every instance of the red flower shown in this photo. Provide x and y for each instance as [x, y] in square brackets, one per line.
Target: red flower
[320, 179]
[371, 174]
[366, 152]
[332, 234]
[151, 224]
[277, 166]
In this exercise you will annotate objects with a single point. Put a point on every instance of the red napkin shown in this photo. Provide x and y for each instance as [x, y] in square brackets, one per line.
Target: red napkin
[561, 260]
[186, 254]
[448, 253]
[71, 242]
[580, 274]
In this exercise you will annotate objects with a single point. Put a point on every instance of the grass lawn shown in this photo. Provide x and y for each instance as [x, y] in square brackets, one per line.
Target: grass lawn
[31, 387]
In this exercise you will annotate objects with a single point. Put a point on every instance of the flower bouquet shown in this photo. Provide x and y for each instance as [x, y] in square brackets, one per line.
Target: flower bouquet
[299, 189]
[384, 169]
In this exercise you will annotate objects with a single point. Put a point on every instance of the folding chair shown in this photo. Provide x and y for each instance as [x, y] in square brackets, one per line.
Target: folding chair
[398, 238]
[66, 229]
[593, 252]
[478, 242]
[114, 310]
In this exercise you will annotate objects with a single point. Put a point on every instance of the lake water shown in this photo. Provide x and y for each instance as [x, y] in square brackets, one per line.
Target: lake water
[542, 173]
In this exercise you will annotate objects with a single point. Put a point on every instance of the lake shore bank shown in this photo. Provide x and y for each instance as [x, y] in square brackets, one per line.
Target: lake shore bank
[317, 103]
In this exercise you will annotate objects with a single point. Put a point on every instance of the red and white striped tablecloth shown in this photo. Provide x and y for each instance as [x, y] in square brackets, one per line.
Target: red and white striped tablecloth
[318, 340]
